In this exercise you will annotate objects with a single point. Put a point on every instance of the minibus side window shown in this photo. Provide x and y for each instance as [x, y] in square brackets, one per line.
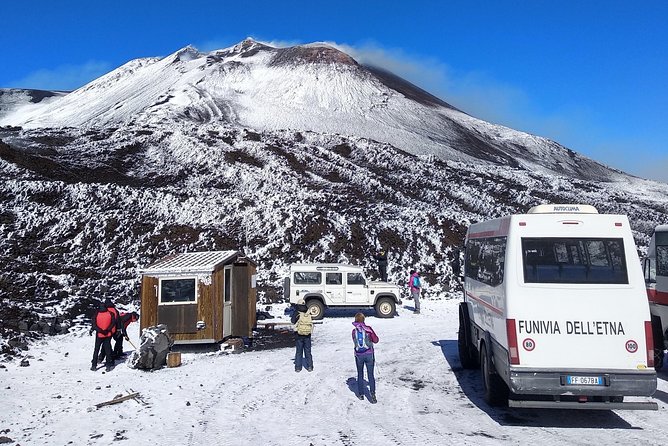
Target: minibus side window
[485, 260]
[662, 260]
[471, 259]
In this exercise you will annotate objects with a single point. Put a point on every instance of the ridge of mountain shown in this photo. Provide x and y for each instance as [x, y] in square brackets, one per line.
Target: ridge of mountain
[313, 87]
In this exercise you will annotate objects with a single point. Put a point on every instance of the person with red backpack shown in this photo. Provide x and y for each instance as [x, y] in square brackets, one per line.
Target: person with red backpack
[113, 310]
[364, 337]
[104, 325]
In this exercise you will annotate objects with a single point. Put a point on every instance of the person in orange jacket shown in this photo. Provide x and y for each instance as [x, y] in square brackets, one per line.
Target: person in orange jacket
[112, 308]
[104, 325]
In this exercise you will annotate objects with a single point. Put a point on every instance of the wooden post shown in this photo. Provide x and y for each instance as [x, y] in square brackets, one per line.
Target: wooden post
[173, 359]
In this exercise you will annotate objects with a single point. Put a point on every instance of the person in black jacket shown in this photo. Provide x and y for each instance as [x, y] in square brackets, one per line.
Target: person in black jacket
[123, 321]
[456, 264]
[381, 258]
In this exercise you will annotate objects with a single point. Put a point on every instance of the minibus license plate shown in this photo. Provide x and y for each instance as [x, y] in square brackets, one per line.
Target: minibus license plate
[584, 380]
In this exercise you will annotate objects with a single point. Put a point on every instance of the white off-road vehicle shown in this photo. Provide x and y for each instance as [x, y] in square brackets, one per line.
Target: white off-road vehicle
[332, 285]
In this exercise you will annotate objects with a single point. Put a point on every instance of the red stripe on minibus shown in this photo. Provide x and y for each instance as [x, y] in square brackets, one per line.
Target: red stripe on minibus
[486, 304]
[658, 297]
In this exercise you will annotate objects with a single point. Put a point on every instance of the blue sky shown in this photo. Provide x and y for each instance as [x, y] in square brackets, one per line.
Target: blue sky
[592, 75]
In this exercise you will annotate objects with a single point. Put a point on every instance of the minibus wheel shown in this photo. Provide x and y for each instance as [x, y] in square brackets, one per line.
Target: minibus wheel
[496, 391]
[467, 355]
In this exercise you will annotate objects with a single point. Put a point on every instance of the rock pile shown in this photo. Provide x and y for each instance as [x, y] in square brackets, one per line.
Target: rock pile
[153, 350]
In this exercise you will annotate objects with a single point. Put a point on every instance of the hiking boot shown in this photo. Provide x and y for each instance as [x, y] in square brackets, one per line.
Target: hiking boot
[310, 369]
[108, 368]
[360, 397]
[298, 370]
[373, 398]
[416, 312]
[93, 368]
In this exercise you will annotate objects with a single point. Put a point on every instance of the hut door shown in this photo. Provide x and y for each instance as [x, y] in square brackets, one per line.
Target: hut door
[227, 301]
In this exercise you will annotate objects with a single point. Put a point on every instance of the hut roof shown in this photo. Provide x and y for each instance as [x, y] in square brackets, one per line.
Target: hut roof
[190, 262]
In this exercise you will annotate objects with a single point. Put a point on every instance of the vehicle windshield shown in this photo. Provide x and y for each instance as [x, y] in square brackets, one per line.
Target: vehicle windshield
[574, 260]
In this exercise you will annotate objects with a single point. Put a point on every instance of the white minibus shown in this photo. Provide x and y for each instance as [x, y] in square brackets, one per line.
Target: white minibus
[555, 311]
[655, 268]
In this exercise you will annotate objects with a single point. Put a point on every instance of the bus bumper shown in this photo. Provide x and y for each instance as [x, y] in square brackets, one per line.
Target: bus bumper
[550, 389]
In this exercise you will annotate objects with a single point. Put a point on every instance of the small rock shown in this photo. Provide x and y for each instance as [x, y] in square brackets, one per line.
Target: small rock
[108, 386]
[98, 388]
[5, 440]
[58, 396]
[187, 403]
[67, 354]
[24, 363]
[2, 366]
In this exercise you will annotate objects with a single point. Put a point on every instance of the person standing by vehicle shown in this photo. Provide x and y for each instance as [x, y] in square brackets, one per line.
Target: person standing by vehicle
[415, 284]
[104, 325]
[363, 338]
[456, 265]
[381, 258]
[304, 327]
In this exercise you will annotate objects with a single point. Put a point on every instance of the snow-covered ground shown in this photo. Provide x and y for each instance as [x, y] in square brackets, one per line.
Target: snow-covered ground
[256, 398]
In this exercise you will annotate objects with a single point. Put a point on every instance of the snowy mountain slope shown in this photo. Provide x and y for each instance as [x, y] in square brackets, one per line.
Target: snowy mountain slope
[303, 88]
[13, 99]
[424, 396]
[82, 209]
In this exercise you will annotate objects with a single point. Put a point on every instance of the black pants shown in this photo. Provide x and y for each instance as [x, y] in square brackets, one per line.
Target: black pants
[118, 346]
[116, 351]
[382, 270]
[105, 343]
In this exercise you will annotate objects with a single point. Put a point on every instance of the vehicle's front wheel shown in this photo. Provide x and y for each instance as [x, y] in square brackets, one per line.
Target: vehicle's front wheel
[496, 391]
[316, 308]
[385, 307]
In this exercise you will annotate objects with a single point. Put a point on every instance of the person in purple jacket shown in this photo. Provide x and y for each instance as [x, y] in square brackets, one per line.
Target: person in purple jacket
[363, 338]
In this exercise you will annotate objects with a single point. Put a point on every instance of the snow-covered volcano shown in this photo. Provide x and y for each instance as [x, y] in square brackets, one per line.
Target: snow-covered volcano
[289, 154]
[311, 87]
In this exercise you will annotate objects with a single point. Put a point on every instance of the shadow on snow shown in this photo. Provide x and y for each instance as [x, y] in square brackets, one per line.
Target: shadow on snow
[471, 385]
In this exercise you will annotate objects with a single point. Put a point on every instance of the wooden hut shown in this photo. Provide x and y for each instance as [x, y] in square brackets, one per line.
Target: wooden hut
[202, 297]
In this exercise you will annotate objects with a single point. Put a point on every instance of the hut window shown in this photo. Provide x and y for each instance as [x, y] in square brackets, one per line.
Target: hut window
[177, 291]
[308, 278]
